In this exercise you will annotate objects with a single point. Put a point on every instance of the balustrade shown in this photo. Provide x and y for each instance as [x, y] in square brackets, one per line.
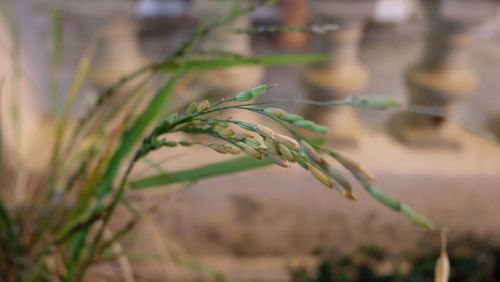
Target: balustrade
[442, 77]
[343, 75]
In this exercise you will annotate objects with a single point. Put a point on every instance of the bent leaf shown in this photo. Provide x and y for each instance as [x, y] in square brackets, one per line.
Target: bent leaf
[388, 201]
[134, 133]
[217, 63]
[195, 174]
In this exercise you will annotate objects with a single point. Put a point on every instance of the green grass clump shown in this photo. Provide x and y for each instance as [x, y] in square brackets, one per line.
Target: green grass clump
[60, 226]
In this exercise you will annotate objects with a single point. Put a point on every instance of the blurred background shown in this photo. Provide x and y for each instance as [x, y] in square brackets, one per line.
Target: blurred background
[280, 225]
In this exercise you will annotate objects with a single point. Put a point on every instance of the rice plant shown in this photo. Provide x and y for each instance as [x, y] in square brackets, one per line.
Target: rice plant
[61, 224]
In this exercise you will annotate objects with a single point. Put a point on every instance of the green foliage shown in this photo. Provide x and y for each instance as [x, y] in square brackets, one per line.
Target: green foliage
[58, 229]
[279, 149]
[472, 258]
[196, 174]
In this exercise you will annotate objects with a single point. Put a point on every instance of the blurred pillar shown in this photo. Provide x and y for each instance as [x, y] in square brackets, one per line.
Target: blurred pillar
[494, 125]
[343, 75]
[118, 52]
[24, 97]
[118, 41]
[227, 81]
[442, 77]
[295, 13]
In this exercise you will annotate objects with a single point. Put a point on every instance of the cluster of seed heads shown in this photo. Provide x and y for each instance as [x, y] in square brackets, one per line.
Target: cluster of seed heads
[261, 142]
[255, 140]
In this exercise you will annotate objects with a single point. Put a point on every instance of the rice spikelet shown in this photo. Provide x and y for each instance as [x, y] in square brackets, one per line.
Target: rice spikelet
[287, 140]
[203, 106]
[311, 153]
[275, 112]
[271, 144]
[250, 151]
[264, 131]
[277, 160]
[321, 176]
[355, 167]
[285, 153]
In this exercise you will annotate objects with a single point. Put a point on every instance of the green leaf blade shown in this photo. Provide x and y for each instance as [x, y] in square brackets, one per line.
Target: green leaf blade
[134, 134]
[388, 201]
[206, 171]
[268, 60]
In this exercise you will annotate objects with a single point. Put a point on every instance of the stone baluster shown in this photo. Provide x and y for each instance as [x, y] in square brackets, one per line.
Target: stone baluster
[227, 81]
[442, 77]
[119, 50]
[494, 125]
[343, 75]
[493, 122]
[295, 13]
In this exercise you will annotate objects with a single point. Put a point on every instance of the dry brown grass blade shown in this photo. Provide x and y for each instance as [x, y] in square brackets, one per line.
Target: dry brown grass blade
[92, 183]
[116, 247]
[62, 123]
[442, 272]
[80, 77]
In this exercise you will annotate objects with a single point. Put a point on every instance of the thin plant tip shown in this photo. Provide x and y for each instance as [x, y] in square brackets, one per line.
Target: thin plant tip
[350, 196]
[321, 176]
[442, 271]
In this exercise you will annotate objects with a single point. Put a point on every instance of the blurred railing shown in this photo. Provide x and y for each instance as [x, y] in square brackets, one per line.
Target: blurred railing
[441, 78]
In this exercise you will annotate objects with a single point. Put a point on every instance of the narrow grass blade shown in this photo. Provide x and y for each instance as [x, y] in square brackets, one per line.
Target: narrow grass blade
[364, 178]
[75, 90]
[271, 60]
[118, 236]
[396, 205]
[214, 274]
[56, 56]
[79, 77]
[79, 244]
[132, 136]
[1, 133]
[207, 171]
[7, 230]
[154, 165]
